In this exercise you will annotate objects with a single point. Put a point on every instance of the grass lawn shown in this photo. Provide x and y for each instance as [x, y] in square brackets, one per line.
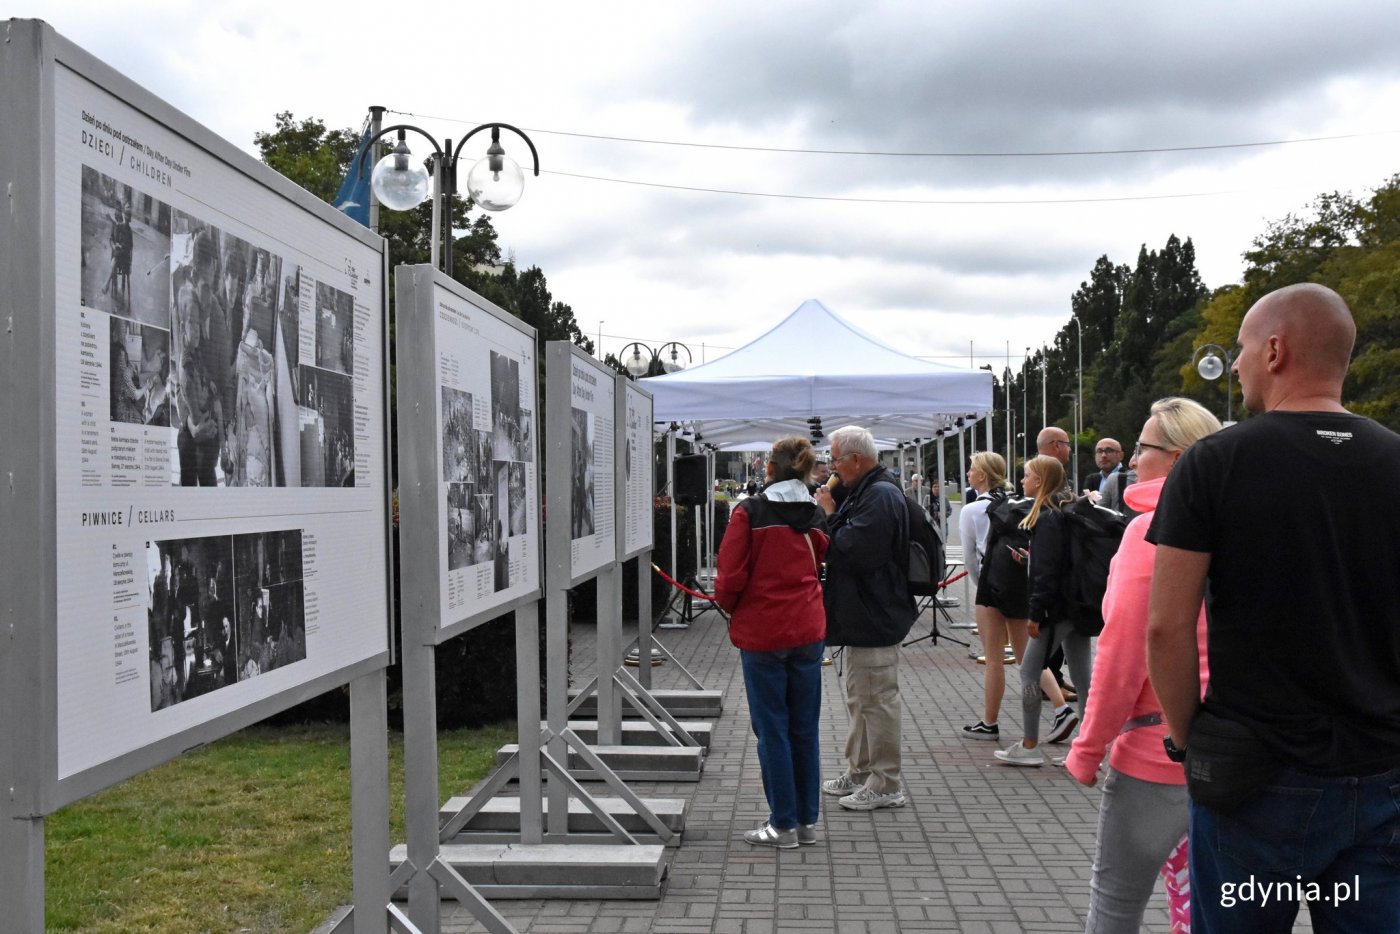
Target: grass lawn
[251, 833]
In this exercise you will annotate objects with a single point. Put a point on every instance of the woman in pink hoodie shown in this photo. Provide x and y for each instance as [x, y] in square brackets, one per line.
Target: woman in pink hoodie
[1143, 816]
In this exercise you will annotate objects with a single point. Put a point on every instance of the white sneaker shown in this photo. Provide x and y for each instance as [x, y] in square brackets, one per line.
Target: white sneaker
[768, 835]
[807, 834]
[841, 785]
[863, 799]
[1020, 755]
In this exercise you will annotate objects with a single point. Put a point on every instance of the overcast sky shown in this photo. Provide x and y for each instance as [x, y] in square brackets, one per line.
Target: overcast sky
[994, 251]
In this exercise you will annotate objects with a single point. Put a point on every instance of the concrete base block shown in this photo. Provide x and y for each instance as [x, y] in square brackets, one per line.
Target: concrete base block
[706, 704]
[642, 733]
[505, 871]
[498, 821]
[633, 763]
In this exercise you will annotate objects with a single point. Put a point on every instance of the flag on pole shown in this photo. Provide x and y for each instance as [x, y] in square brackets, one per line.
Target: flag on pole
[353, 197]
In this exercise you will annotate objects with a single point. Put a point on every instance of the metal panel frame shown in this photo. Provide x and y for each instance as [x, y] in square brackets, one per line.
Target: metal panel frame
[420, 449]
[30, 57]
[29, 416]
[648, 457]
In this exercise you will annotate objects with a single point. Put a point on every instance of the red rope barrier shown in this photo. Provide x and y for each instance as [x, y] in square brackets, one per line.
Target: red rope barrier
[704, 596]
[679, 586]
[952, 580]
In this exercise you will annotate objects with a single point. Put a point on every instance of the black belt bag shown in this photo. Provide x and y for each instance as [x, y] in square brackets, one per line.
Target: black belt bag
[1225, 762]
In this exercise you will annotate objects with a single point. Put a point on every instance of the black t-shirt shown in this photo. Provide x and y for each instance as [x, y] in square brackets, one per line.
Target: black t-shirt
[1299, 512]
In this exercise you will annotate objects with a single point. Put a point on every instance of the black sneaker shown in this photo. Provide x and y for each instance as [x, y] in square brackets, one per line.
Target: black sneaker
[1065, 722]
[981, 730]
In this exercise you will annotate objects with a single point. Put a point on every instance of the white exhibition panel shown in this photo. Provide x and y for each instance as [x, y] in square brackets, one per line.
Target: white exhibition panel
[219, 438]
[639, 487]
[814, 363]
[489, 489]
[592, 479]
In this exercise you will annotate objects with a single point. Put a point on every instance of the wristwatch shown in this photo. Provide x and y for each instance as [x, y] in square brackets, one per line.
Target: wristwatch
[1174, 752]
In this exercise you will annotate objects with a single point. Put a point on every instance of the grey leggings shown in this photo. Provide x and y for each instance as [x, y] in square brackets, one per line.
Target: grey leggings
[1140, 823]
[1078, 654]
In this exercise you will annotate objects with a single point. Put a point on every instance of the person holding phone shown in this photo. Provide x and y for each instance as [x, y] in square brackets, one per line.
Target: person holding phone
[1048, 559]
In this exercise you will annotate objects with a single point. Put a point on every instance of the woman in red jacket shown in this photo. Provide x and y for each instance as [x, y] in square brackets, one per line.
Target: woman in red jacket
[769, 583]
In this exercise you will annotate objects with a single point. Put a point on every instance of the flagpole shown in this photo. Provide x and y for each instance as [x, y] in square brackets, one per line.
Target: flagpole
[376, 121]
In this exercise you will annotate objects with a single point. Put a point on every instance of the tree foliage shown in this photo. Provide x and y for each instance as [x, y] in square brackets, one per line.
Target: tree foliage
[1143, 323]
[318, 158]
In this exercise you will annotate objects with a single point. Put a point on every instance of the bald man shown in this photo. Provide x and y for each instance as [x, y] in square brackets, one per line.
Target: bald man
[1293, 758]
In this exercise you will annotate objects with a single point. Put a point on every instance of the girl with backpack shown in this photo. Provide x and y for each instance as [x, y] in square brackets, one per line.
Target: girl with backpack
[1049, 627]
[1000, 606]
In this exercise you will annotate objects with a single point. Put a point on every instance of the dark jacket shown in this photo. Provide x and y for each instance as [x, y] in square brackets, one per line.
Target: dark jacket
[868, 602]
[767, 576]
[1049, 568]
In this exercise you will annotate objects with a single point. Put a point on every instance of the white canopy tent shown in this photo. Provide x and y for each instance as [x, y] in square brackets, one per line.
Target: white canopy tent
[816, 365]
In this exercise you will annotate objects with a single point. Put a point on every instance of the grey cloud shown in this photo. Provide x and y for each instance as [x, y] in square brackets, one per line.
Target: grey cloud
[1025, 77]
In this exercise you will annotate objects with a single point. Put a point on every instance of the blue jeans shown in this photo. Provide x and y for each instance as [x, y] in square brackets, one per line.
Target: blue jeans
[785, 702]
[1333, 841]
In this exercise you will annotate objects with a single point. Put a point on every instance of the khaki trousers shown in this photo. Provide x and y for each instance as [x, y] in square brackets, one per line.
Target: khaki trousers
[872, 701]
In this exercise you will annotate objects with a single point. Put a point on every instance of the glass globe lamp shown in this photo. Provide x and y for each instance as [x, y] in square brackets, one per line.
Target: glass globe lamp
[495, 182]
[397, 182]
[1211, 367]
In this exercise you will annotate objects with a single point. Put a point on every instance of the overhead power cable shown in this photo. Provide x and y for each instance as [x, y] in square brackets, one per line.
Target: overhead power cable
[924, 155]
[936, 201]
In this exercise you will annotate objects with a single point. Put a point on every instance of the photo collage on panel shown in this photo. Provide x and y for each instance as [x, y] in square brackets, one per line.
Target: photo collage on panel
[484, 470]
[222, 609]
[583, 521]
[207, 339]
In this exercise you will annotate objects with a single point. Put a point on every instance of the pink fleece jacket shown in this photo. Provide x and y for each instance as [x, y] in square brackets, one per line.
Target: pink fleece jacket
[1121, 691]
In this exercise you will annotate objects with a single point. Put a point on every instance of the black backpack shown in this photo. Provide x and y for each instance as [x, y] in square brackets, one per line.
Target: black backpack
[1094, 533]
[927, 556]
[1000, 570]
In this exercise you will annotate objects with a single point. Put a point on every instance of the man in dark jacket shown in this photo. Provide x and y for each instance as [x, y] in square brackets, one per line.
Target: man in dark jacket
[869, 610]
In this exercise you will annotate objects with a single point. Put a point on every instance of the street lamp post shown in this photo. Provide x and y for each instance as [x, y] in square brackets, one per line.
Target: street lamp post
[1025, 412]
[1079, 392]
[988, 368]
[494, 182]
[1074, 452]
[654, 363]
[1210, 360]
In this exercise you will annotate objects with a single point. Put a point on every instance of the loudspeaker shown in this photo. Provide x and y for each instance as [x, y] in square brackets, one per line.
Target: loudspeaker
[690, 479]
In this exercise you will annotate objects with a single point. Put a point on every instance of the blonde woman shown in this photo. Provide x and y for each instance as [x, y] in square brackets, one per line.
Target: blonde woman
[1143, 814]
[1048, 559]
[999, 615]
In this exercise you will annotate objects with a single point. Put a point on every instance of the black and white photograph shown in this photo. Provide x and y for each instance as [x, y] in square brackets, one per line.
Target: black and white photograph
[271, 601]
[202, 355]
[125, 251]
[335, 329]
[191, 618]
[526, 448]
[485, 455]
[458, 438]
[139, 373]
[516, 491]
[501, 557]
[327, 428]
[582, 524]
[505, 406]
[462, 526]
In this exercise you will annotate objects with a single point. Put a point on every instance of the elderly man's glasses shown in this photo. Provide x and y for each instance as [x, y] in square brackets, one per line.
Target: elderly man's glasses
[837, 460]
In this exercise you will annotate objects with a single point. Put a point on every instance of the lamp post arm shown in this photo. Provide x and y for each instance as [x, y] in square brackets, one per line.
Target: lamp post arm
[399, 128]
[495, 129]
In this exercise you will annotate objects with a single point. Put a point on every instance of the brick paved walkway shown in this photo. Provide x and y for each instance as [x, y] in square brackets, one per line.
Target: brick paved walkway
[980, 847]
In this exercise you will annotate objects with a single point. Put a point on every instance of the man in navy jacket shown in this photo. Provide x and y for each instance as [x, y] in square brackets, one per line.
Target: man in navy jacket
[869, 610]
